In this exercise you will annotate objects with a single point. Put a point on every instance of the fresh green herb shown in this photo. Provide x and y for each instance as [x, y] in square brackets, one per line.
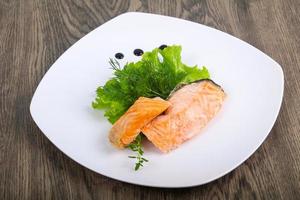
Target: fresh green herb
[136, 146]
[115, 65]
[156, 74]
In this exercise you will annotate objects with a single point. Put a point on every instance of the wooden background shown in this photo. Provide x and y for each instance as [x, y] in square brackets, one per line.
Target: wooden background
[34, 33]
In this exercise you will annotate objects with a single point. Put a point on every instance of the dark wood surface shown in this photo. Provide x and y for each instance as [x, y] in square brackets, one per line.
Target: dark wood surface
[34, 33]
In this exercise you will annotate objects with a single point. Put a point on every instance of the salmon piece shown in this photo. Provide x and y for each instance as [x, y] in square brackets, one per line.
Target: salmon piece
[125, 129]
[192, 107]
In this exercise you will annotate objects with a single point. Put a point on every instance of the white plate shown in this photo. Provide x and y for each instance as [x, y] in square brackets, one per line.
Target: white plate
[61, 105]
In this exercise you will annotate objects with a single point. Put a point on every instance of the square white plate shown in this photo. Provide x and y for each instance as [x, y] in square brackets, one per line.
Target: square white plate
[61, 105]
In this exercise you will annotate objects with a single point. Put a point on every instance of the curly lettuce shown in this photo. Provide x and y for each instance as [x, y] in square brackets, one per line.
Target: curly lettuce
[156, 74]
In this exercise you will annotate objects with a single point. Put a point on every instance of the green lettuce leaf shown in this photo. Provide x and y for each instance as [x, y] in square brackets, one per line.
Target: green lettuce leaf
[156, 74]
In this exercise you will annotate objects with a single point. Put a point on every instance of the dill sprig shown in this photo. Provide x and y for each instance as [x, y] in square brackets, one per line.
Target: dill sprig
[115, 65]
[136, 146]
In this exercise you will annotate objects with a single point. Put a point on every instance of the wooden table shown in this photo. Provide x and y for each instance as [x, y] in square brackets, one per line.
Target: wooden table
[33, 34]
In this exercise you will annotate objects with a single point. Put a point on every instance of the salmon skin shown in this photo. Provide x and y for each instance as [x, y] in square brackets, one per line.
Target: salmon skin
[192, 107]
[129, 125]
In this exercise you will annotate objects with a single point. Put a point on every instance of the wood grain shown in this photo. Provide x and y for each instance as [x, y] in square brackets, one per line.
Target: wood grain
[34, 34]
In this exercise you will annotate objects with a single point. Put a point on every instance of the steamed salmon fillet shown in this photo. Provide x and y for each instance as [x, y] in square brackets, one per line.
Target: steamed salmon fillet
[129, 125]
[192, 107]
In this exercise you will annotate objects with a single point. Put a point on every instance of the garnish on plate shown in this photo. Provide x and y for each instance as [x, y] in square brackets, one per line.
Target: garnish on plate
[149, 77]
[136, 146]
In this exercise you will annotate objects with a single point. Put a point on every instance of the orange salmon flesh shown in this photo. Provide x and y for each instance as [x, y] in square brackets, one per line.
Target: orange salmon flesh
[129, 125]
[192, 107]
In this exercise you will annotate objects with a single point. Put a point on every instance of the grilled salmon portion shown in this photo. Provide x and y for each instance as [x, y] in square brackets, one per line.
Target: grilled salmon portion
[192, 107]
[125, 130]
